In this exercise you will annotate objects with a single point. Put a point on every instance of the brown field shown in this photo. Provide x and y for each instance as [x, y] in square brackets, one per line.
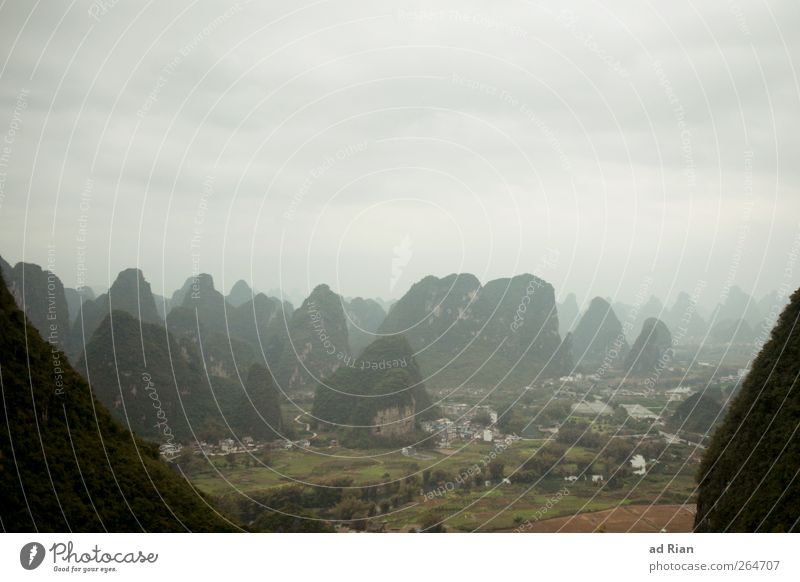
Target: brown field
[634, 518]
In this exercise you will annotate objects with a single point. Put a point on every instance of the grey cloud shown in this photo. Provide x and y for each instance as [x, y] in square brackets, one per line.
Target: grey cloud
[561, 100]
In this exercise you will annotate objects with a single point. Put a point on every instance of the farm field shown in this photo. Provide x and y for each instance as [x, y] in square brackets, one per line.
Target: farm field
[485, 505]
[629, 518]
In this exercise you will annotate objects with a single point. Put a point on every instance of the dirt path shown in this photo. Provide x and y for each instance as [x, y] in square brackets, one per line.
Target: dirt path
[306, 426]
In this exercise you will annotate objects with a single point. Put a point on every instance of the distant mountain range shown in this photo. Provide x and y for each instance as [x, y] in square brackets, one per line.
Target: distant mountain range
[202, 365]
[200, 346]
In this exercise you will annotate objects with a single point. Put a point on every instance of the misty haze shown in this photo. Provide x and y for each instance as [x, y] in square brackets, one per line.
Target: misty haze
[380, 267]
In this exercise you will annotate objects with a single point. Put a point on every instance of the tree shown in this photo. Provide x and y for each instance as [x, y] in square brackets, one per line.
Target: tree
[619, 450]
[426, 476]
[293, 519]
[482, 418]
[440, 477]
[432, 523]
[351, 507]
[230, 458]
[496, 470]
[188, 462]
[265, 456]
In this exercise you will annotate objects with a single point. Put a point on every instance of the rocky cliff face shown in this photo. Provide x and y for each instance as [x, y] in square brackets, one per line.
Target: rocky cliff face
[205, 320]
[317, 342]
[198, 367]
[166, 389]
[383, 384]
[394, 420]
[147, 380]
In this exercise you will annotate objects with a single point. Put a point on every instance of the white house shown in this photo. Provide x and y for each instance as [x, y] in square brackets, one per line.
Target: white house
[227, 445]
[639, 412]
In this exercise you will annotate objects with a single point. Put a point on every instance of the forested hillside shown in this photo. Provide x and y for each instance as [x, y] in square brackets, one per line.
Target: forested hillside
[749, 476]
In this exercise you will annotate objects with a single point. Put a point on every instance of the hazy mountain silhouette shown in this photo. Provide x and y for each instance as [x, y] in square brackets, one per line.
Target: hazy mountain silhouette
[567, 314]
[738, 305]
[240, 293]
[732, 331]
[40, 294]
[652, 344]
[130, 293]
[75, 298]
[686, 324]
[598, 337]
[364, 317]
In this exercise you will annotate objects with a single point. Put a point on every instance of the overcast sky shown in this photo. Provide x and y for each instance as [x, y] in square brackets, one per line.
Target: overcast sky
[368, 144]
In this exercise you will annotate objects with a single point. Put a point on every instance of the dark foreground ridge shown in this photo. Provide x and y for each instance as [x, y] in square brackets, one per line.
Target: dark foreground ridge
[65, 464]
[749, 479]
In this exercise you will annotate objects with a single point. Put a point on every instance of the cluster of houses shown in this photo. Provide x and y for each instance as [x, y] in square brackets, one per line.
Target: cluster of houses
[464, 428]
[246, 444]
[225, 446]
